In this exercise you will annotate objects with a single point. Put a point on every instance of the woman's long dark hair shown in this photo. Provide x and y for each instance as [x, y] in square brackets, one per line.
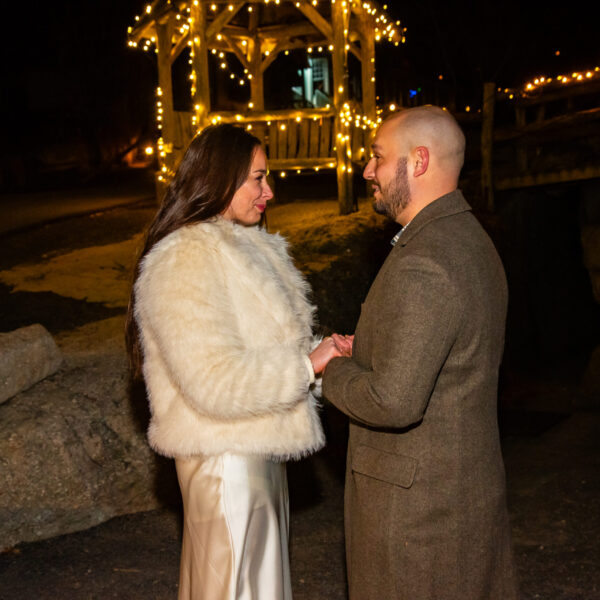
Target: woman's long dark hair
[214, 166]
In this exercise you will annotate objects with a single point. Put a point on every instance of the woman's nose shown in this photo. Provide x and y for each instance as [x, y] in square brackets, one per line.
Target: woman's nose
[267, 192]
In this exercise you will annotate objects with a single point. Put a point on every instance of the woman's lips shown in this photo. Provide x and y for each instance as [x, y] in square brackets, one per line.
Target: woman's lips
[261, 207]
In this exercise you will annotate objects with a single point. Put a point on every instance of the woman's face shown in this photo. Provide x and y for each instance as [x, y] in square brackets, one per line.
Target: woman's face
[250, 200]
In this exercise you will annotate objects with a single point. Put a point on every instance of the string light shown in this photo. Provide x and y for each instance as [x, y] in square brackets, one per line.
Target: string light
[538, 83]
[141, 35]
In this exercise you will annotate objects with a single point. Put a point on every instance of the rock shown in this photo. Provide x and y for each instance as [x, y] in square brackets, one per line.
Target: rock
[73, 451]
[27, 355]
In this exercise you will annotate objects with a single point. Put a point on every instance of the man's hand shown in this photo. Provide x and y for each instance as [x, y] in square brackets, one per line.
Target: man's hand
[343, 343]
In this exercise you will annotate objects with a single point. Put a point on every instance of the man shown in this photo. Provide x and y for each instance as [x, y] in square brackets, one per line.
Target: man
[425, 498]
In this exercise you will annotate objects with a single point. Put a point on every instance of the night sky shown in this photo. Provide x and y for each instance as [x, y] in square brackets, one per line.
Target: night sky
[72, 79]
[469, 43]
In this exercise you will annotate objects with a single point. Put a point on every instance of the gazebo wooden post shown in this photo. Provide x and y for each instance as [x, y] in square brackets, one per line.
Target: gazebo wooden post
[367, 42]
[340, 95]
[201, 90]
[164, 31]
[257, 92]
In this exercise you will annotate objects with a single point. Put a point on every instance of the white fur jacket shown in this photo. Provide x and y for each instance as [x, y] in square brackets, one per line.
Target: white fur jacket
[226, 332]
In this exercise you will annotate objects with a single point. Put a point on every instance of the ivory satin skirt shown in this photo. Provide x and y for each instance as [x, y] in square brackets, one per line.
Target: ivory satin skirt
[235, 529]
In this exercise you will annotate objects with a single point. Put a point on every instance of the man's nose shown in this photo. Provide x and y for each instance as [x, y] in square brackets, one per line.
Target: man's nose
[369, 172]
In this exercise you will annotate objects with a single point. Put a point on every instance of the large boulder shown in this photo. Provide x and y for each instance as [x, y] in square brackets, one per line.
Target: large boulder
[73, 451]
[27, 355]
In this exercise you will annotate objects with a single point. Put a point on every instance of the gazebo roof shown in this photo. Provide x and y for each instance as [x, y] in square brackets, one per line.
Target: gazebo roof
[279, 24]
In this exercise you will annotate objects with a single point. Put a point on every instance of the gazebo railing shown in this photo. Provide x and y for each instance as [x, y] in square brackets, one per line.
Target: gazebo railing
[293, 139]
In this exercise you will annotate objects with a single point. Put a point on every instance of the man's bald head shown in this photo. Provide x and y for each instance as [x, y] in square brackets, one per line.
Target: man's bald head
[417, 157]
[434, 128]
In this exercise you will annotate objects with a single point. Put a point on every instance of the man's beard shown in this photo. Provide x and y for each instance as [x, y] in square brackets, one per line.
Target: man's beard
[396, 195]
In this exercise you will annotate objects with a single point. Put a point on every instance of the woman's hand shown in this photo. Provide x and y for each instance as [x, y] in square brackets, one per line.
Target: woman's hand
[322, 354]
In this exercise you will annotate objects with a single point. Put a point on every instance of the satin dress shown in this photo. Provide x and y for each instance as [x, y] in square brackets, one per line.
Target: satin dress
[235, 530]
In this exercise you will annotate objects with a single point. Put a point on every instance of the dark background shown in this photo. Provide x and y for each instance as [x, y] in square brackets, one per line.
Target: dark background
[75, 98]
[470, 42]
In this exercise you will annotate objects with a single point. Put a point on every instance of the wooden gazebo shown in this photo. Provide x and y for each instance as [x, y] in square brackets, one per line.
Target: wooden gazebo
[330, 136]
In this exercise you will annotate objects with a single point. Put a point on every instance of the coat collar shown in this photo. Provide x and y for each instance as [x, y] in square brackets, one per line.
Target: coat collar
[445, 206]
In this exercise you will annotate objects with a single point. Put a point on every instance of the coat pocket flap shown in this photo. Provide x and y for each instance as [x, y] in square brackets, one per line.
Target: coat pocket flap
[396, 469]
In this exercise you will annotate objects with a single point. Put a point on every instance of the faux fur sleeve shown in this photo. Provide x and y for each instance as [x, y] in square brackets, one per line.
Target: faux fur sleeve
[186, 309]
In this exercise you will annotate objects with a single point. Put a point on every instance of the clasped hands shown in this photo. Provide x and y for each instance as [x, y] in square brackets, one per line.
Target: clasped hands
[330, 347]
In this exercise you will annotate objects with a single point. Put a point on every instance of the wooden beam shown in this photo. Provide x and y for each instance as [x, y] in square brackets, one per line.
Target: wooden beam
[257, 92]
[237, 51]
[278, 32]
[257, 82]
[340, 95]
[163, 45]
[314, 135]
[367, 69]
[283, 164]
[282, 140]
[272, 146]
[569, 120]
[325, 145]
[287, 44]
[303, 145]
[252, 116]
[563, 176]
[222, 19]
[201, 88]
[146, 27]
[314, 16]
[359, 145]
[292, 139]
[147, 31]
[178, 48]
[569, 90]
[521, 148]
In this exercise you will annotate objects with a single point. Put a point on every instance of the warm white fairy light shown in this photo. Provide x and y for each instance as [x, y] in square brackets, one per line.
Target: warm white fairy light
[547, 82]
[384, 29]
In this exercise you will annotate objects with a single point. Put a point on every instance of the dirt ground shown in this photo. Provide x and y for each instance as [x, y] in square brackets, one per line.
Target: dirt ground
[550, 436]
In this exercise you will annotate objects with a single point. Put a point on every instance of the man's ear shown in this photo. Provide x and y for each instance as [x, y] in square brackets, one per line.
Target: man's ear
[421, 160]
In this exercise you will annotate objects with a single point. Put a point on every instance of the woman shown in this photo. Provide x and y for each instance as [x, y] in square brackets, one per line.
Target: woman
[221, 318]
